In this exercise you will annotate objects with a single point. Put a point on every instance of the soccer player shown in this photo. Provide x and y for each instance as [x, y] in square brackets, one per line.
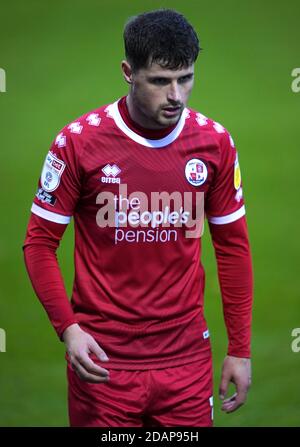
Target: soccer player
[138, 175]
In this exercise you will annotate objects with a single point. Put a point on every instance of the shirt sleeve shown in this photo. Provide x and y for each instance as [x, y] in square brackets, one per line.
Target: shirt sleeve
[54, 203]
[225, 211]
[40, 245]
[59, 184]
[235, 272]
[224, 202]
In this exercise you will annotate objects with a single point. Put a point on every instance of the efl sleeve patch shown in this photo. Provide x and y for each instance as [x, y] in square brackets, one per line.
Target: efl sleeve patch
[52, 172]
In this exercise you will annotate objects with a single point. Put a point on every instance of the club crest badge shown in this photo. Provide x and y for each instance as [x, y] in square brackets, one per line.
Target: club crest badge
[195, 172]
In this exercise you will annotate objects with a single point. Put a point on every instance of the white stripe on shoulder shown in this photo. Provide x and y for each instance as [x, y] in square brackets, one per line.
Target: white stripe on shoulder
[229, 218]
[49, 215]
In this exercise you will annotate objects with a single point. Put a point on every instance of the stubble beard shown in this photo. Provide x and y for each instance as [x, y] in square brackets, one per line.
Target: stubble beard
[154, 120]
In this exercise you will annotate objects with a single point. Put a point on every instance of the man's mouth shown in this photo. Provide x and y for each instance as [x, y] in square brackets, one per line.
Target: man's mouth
[171, 111]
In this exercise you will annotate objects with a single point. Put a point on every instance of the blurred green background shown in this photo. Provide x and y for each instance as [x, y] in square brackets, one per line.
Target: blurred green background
[62, 59]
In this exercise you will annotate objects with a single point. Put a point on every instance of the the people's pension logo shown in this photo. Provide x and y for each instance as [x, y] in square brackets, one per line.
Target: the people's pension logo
[2, 80]
[296, 342]
[157, 218]
[295, 86]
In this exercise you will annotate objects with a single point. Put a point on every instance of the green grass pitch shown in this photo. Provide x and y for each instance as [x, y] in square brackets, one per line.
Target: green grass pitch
[62, 59]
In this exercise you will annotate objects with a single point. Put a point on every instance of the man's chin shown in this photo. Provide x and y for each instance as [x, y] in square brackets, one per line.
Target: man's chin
[167, 121]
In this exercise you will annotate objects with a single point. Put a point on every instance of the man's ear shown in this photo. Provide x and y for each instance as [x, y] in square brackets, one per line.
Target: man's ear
[127, 71]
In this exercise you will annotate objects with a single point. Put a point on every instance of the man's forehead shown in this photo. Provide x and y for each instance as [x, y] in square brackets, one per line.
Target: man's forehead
[158, 71]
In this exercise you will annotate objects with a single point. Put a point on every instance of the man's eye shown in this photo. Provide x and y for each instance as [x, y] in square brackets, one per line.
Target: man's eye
[185, 78]
[159, 81]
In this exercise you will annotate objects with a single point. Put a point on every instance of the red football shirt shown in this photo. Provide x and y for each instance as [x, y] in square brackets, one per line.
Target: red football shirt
[139, 283]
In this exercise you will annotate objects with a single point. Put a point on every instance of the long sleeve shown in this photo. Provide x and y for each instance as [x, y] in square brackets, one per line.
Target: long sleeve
[235, 274]
[40, 245]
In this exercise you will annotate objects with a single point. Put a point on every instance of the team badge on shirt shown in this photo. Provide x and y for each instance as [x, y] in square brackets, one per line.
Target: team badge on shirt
[52, 172]
[195, 172]
[237, 174]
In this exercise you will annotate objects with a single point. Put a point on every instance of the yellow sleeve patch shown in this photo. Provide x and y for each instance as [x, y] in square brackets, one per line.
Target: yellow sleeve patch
[237, 174]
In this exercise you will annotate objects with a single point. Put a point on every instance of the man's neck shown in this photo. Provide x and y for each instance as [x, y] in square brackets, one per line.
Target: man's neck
[139, 117]
[138, 128]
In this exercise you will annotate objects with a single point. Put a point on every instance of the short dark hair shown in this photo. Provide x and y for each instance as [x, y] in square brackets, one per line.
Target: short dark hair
[163, 36]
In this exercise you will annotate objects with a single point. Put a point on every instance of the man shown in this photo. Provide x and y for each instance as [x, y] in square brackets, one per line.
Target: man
[138, 349]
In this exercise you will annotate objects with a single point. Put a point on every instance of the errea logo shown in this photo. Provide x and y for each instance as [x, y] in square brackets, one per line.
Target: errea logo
[111, 173]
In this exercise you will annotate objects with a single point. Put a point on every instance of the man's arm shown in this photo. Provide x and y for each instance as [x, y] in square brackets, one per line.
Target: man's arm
[235, 273]
[41, 242]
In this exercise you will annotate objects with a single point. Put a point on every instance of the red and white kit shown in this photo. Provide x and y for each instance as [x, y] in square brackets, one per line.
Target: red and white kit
[139, 283]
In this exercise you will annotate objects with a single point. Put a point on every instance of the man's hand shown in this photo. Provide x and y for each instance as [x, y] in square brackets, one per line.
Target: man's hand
[238, 371]
[79, 345]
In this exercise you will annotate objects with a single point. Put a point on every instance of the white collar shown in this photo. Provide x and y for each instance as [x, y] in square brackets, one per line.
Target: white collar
[113, 112]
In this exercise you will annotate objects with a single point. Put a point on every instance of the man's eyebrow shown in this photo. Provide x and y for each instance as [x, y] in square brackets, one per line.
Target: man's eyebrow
[158, 77]
[151, 77]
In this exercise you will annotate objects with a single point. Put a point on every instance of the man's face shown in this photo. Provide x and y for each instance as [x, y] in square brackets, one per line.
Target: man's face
[159, 95]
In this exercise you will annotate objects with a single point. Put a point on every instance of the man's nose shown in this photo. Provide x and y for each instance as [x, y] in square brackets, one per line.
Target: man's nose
[173, 92]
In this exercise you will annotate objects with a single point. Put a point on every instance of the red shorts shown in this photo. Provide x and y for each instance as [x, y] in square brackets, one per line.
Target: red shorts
[169, 397]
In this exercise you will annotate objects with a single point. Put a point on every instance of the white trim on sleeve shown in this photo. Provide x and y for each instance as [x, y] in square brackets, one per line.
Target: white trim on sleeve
[49, 215]
[229, 218]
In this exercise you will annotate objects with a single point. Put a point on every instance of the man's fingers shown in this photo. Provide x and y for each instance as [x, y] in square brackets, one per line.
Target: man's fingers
[236, 401]
[87, 377]
[224, 385]
[229, 407]
[230, 399]
[95, 348]
[90, 366]
[80, 345]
